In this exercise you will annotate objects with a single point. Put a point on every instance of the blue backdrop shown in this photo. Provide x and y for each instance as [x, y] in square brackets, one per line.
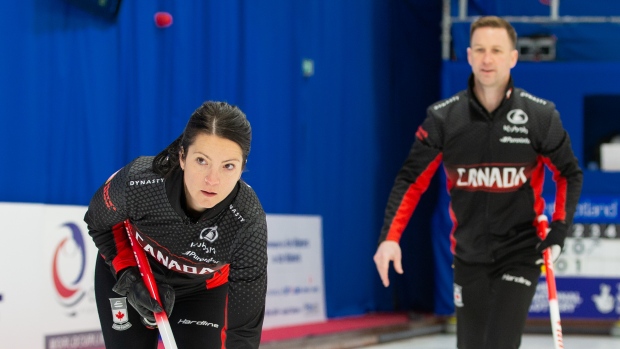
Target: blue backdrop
[81, 96]
[595, 41]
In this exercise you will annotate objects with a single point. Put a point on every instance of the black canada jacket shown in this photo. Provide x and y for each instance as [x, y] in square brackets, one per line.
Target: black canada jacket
[227, 243]
[494, 164]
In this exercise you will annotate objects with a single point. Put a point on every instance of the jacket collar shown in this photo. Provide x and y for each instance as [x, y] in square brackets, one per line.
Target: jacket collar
[474, 100]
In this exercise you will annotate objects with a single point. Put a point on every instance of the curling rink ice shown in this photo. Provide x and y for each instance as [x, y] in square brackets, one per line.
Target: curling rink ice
[530, 341]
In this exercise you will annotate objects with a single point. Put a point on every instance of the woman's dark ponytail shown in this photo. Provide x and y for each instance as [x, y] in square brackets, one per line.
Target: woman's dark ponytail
[168, 159]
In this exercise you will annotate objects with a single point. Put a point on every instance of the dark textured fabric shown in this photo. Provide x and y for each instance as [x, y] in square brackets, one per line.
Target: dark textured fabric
[494, 164]
[227, 243]
[492, 301]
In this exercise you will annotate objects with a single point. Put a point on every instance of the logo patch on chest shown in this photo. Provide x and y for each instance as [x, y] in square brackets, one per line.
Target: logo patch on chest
[514, 140]
[210, 234]
[517, 117]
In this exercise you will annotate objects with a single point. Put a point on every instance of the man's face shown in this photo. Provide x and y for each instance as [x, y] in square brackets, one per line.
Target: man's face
[491, 55]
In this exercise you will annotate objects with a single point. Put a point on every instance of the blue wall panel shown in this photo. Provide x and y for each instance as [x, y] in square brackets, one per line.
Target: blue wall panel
[538, 7]
[594, 41]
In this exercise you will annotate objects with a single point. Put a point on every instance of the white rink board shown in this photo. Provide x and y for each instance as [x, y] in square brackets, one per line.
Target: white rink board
[295, 291]
[41, 243]
[46, 279]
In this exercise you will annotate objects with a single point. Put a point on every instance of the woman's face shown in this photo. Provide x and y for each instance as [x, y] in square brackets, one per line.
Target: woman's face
[211, 168]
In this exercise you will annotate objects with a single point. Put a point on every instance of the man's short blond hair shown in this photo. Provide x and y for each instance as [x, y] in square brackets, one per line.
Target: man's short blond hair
[494, 22]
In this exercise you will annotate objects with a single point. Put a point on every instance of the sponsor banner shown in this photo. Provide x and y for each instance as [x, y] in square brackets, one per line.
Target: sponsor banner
[295, 291]
[47, 281]
[591, 209]
[70, 254]
[580, 298]
[587, 271]
[83, 340]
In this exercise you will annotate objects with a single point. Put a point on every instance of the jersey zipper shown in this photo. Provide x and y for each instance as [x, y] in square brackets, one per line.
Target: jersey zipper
[490, 126]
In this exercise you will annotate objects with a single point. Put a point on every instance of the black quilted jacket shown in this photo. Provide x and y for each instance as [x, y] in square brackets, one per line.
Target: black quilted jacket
[228, 243]
[494, 164]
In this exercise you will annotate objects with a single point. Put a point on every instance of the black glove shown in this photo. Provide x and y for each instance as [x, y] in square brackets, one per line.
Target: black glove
[130, 285]
[556, 236]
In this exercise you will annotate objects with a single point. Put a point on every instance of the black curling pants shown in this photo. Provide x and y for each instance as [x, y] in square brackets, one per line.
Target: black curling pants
[492, 301]
[197, 320]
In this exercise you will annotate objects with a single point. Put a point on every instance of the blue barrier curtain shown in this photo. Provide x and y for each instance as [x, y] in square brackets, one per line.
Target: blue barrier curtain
[82, 95]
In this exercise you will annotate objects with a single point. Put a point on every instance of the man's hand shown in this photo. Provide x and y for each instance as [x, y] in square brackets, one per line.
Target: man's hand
[555, 239]
[386, 252]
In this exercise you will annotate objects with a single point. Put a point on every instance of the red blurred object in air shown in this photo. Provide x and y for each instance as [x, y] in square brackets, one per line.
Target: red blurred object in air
[163, 19]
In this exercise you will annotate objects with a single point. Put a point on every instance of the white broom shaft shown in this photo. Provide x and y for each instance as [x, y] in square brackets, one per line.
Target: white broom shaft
[149, 280]
[554, 309]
